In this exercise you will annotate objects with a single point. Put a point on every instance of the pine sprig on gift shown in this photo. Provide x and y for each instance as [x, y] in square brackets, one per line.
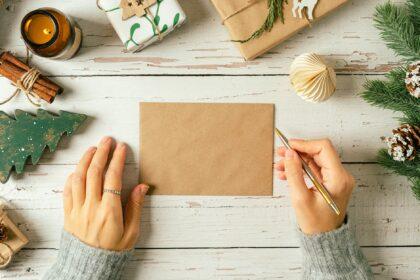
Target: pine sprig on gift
[275, 11]
[398, 30]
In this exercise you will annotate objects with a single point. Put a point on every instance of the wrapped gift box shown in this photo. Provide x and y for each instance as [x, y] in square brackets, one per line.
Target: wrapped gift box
[138, 32]
[243, 17]
[13, 242]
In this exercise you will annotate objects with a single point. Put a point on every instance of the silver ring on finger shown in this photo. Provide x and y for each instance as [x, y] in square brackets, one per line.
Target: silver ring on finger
[112, 191]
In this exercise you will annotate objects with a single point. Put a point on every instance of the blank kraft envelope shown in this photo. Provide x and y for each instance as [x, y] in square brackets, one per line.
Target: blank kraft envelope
[207, 149]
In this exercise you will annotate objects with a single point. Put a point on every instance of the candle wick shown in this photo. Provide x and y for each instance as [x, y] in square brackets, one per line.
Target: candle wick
[47, 31]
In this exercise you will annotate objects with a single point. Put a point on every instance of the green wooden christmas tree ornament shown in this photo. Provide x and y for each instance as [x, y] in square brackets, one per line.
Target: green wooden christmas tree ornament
[27, 136]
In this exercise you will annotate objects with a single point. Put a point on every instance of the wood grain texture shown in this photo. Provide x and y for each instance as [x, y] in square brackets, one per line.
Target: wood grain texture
[215, 237]
[224, 264]
[25, 135]
[383, 213]
[112, 106]
[346, 38]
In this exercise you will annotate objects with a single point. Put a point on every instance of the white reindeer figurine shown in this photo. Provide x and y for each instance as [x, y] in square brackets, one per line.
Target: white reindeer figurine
[300, 4]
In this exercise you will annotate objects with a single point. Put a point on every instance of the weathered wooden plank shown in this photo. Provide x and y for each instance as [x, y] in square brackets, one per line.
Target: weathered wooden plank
[347, 38]
[383, 213]
[223, 264]
[112, 103]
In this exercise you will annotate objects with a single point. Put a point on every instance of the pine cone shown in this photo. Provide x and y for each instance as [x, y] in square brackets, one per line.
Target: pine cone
[412, 79]
[404, 142]
[3, 233]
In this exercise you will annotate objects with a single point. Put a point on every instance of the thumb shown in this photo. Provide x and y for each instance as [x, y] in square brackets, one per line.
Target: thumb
[133, 215]
[294, 174]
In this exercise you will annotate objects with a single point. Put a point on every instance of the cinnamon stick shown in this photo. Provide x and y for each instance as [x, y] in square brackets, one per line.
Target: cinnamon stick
[9, 74]
[18, 73]
[7, 56]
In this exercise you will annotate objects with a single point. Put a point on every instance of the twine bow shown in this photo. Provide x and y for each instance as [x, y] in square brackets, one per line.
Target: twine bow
[25, 84]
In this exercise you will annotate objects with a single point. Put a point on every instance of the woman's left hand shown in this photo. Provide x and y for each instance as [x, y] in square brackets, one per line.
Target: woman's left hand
[94, 216]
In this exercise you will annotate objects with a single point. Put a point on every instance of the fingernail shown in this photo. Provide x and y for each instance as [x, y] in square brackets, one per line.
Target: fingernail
[106, 140]
[290, 154]
[144, 188]
[92, 149]
[120, 145]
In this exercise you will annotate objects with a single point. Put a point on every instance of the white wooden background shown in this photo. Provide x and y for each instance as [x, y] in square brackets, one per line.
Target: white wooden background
[215, 237]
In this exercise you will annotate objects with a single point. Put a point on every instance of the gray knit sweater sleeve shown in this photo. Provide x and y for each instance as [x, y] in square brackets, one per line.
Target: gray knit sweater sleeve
[78, 261]
[334, 255]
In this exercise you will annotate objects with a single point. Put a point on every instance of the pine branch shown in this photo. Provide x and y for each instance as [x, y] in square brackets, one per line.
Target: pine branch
[410, 169]
[412, 119]
[397, 30]
[275, 11]
[414, 10]
[397, 76]
[393, 95]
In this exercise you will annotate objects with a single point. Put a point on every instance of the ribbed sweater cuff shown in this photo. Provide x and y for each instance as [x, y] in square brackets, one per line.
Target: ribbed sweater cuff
[333, 255]
[76, 260]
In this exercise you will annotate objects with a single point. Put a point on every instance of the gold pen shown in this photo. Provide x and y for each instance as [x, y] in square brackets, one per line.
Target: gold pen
[319, 186]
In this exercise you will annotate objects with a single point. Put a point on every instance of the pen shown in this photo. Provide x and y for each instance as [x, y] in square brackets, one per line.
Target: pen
[319, 186]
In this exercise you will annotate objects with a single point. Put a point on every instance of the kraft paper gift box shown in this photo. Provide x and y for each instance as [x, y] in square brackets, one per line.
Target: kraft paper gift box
[138, 32]
[13, 243]
[243, 17]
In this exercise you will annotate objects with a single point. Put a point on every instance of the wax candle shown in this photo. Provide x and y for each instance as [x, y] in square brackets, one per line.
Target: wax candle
[49, 33]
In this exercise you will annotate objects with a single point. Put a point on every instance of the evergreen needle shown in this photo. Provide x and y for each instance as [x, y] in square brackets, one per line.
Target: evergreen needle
[275, 11]
[400, 28]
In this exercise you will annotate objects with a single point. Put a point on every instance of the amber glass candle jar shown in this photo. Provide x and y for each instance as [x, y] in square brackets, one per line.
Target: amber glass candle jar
[49, 33]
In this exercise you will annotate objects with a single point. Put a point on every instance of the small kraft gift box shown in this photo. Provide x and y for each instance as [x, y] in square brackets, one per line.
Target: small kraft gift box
[259, 25]
[140, 23]
[11, 238]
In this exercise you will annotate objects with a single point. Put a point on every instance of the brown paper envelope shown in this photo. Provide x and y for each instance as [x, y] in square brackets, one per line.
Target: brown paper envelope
[244, 23]
[207, 149]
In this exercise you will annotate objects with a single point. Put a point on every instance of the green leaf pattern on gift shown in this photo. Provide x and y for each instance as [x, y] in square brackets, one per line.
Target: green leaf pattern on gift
[176, 19]
[154, 24]
[157, 19]
[133, 29]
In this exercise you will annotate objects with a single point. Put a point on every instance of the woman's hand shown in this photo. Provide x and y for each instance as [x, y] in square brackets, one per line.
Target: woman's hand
[94, 216]
[313, 214]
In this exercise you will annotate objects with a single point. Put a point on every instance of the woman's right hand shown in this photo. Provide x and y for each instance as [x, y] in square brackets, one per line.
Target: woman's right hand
[313, 213]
